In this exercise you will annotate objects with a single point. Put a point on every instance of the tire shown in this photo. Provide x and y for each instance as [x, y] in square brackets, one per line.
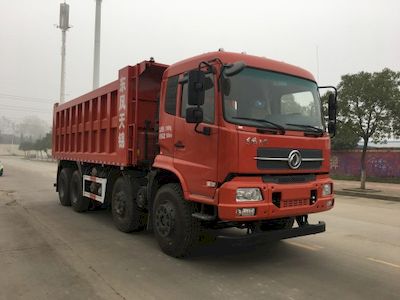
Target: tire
[127, 216]
[1, 173]
[284, 223]
[176, 231]
[78, 201]
[63, 185]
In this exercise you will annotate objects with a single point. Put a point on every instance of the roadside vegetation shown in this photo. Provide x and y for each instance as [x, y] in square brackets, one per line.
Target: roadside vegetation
[368, 110]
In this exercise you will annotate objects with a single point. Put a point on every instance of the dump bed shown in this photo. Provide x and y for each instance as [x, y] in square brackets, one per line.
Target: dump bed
[114, 124]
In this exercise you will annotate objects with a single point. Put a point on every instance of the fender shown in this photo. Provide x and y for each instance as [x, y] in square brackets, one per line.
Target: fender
[166, 163]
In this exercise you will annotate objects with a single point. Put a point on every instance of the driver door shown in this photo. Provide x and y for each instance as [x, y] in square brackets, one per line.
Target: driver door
[195, 154]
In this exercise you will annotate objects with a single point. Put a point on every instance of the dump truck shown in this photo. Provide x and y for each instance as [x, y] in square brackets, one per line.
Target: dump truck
[220, 140]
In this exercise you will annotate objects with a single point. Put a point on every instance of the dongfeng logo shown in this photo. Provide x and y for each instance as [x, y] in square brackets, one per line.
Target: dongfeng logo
[294, 159]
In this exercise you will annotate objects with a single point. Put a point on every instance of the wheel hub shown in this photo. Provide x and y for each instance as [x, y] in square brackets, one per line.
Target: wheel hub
[165, 216]
[120, 204]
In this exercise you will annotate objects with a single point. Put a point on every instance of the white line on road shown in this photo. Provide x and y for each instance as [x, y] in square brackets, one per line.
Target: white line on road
[383, 262]
[308, 247]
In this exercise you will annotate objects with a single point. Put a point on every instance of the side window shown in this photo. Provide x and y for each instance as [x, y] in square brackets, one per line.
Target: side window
[170, 96]
[209, 102]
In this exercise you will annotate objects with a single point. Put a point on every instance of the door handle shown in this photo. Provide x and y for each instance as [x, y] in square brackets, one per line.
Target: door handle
[179, 144]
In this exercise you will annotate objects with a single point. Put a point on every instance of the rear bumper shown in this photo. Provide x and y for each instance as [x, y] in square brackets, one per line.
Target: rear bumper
[295, 199]
[276, 235]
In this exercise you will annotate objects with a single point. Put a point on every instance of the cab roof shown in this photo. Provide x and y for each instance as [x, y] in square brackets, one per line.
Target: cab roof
[231, 57]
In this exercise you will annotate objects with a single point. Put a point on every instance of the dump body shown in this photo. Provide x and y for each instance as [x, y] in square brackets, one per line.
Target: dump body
[114, 124]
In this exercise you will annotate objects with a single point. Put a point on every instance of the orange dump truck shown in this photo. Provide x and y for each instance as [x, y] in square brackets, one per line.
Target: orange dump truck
[215, 141]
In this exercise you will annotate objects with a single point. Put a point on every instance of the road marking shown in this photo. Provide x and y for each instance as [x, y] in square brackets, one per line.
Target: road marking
[308, 247]
[317, 246]
[383, 262]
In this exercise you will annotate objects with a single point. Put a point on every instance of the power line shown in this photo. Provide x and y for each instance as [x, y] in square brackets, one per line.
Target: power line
[25, 101]
[24, 97]
[23, 109]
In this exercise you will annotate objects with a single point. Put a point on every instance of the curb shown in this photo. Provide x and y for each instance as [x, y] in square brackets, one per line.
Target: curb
[366, 195]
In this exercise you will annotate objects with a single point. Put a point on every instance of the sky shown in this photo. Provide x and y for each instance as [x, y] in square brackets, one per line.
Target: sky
[328, 38]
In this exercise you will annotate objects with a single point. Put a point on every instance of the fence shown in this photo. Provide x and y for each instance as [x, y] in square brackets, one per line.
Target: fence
[379, 163]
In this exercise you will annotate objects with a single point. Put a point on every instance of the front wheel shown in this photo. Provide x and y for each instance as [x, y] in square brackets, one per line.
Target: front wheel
[176, 231]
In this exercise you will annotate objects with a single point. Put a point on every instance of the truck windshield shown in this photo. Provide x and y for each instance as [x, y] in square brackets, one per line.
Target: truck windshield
[287, 101]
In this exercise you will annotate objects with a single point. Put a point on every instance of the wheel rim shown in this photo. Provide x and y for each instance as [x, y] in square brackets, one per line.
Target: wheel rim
[120, 204]
[165, 219]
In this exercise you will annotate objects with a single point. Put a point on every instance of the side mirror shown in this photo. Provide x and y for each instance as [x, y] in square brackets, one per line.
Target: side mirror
[332, 128]
[332, 107]
[194, 115]
[196, 87]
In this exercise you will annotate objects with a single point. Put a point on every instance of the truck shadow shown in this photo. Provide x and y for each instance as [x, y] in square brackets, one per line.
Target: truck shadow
[219, 251]
[244, 253]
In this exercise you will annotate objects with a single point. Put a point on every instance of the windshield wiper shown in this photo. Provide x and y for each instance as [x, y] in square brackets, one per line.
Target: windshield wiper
[313, 128]
[277, 126]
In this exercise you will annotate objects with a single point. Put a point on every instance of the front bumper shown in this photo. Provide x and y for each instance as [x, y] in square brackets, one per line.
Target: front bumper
[295, 199]
[275, 235]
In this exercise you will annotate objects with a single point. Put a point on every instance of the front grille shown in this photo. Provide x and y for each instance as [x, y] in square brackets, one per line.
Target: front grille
[294, 203]
[276, 153]
[282, 179]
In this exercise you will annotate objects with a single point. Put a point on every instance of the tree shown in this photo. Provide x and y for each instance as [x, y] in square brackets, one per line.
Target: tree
[26, 146]
[346, 135]
[42, 144]
[7, 131]
[33, 127]
[367, 104]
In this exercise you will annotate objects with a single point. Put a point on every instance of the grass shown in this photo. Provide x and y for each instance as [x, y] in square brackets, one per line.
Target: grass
[369, 179]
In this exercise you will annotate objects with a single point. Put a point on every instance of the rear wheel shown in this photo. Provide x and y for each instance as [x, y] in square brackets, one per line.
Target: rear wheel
[127, 216]
[78, 201]
[176, 231]
[63, 185]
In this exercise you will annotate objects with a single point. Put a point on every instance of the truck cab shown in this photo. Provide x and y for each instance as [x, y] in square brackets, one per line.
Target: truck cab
[259, 149]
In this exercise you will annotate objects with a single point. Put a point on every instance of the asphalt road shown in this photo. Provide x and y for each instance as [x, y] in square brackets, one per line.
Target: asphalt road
[50, 252]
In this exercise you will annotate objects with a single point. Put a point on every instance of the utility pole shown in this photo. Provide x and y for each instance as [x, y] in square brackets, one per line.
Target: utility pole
[64, 26]
[317, 57]
[96, 59]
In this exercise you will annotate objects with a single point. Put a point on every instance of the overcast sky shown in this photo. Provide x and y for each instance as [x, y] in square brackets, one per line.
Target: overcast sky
[351, 36]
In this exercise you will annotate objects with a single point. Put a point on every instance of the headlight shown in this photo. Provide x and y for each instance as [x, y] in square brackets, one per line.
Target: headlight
[248, 194]
[326, 189]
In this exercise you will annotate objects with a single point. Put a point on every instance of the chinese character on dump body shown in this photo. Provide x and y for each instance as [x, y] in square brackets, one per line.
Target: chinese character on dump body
[122, 85]
[121, 120]
[122, 103]
[121, 140]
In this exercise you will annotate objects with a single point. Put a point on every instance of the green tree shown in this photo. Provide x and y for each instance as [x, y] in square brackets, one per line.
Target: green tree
[368, 103]
[43, 144]
[346, 134]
